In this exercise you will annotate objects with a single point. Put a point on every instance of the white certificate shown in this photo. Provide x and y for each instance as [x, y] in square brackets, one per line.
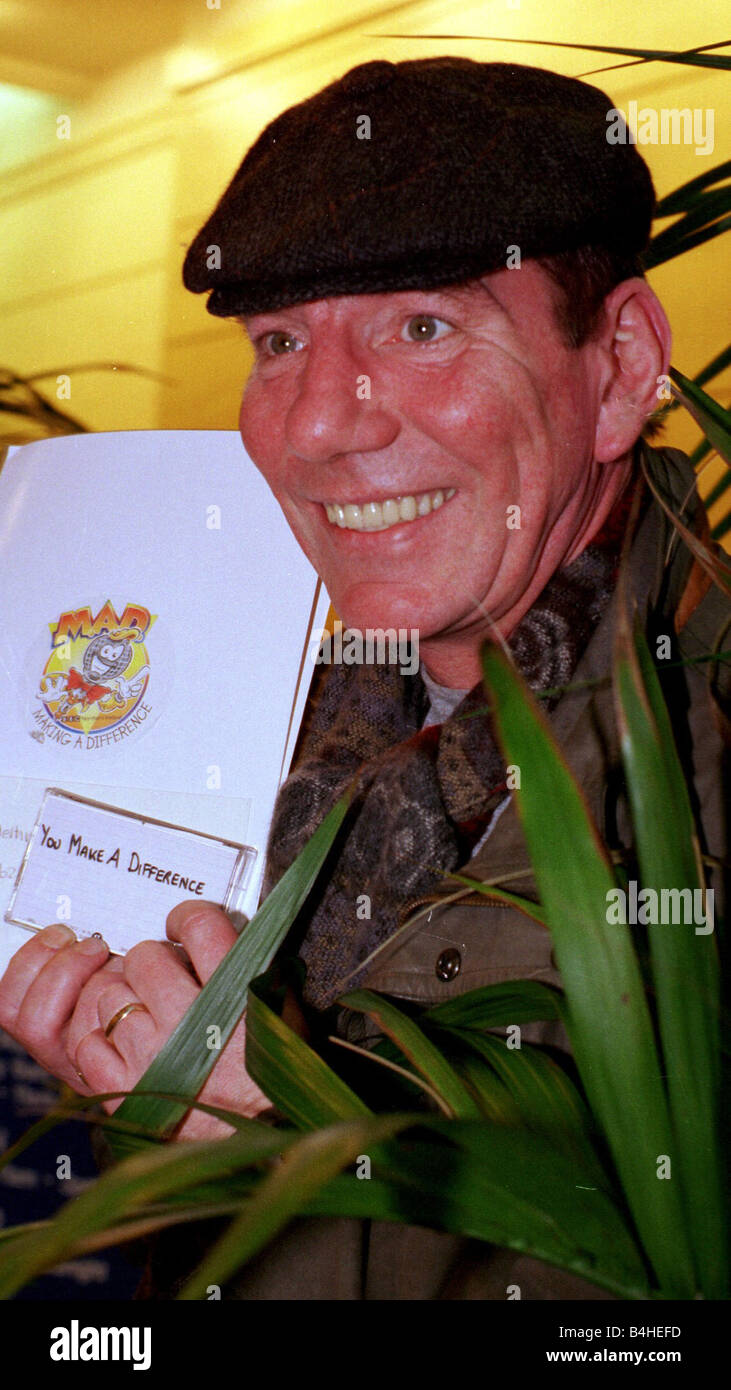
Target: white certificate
[157, 615]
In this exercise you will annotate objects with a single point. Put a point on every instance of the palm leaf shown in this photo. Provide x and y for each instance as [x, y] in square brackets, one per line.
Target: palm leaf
[124, 1189]
[509, 1187]
[494, 1006]
[685, 197]
[683, 236]
[714, 564]
[684, 963]
[693, 57]
[305, 1168]
[298, 1082]
[544, 1097]
[501, 895]
[413, 1042]
[617, 1062]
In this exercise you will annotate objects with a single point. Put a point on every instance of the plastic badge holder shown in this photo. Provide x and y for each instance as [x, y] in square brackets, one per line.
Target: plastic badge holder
[111, 873]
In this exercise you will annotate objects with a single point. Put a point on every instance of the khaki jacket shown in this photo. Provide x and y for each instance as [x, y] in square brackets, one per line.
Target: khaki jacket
[448, 947]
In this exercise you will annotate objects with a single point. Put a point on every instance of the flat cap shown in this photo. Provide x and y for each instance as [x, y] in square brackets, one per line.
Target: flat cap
[415, 175]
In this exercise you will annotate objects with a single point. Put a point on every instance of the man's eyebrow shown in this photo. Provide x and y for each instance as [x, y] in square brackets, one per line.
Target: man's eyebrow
[243, 325]
[458, 294]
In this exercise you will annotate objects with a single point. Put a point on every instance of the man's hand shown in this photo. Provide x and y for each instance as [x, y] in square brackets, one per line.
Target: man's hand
[58, 995]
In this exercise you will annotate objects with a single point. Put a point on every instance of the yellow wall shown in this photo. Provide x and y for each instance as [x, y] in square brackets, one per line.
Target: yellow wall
[93, 229]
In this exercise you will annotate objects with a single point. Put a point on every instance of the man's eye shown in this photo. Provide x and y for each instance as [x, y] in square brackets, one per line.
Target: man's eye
[279, 343]
[425, 328]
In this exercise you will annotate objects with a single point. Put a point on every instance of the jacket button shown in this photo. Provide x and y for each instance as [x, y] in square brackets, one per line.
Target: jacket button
[449, 964]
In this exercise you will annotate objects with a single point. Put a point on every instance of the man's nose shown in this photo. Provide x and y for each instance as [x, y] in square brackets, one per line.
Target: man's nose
[336, 409]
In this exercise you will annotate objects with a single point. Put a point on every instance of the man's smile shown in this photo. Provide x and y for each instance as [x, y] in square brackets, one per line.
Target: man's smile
[393, 511]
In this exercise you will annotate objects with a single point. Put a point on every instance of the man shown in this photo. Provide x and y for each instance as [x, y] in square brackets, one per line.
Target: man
[437, 263]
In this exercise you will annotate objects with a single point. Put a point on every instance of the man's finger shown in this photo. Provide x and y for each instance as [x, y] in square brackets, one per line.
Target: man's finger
[51, 995]
[135, 1034]
[206, 933]
[86, 1016]
[25, 966]
[103, 1068]
[160, 981]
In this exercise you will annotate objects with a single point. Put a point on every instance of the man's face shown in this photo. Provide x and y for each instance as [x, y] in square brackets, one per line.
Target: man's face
[401, 431]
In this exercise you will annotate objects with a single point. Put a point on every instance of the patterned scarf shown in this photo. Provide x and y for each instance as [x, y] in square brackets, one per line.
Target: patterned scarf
[423, 797]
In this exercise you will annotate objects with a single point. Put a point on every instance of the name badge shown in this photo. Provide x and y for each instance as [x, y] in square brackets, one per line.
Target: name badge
[109, 873]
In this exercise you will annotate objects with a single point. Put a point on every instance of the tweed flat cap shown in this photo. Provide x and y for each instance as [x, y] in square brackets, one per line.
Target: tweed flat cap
[456, 162]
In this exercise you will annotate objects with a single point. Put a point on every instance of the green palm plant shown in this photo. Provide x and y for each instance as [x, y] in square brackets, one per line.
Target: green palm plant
[27, 414]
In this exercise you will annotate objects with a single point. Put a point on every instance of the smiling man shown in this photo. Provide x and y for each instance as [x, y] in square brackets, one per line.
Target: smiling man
[438, 265]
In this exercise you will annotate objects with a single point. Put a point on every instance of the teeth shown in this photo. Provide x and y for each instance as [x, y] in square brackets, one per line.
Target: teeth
[379, 516]
[372, 514]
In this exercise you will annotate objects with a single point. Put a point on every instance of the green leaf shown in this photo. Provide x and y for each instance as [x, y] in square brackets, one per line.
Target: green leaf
[424, 1056]
[702, 210]
[694, 57]
[495, 1006]
[713, 563]
[183, 1064]
[305, 1168]
[680, 238]
[60, 1114]
[385, 1054]
[684, 963]
[501, 895]
[509, 1187]
[700, 452]
[712, 369]
[607, 1016]
[713, 419]
[545, 1098]
[687, 195]
[718, 489]
[493, 1098]
[297, 1081]
[127, 1186]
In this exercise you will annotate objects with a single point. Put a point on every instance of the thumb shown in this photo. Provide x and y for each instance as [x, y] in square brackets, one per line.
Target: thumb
[205, 932]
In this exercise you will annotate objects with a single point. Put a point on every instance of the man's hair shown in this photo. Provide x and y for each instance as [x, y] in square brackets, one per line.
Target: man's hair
[584, 277]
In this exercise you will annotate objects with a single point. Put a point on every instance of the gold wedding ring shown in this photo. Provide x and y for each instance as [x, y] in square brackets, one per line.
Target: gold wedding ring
[120, 1014]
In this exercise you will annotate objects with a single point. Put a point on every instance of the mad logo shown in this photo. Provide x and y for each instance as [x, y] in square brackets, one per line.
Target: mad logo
[96, 678]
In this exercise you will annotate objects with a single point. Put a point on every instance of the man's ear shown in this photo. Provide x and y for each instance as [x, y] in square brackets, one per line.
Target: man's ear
[636, 341]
